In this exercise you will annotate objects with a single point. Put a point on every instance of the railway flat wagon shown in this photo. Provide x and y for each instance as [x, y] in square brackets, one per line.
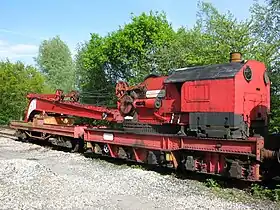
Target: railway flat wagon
[207, 119]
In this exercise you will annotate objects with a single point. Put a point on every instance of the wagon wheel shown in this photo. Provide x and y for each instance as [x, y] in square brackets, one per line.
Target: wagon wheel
[121, 89]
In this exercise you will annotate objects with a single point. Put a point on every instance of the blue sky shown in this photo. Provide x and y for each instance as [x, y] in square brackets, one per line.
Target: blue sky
[24, 24]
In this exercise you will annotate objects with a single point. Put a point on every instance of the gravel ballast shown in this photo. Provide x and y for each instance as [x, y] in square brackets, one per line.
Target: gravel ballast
[34, 177]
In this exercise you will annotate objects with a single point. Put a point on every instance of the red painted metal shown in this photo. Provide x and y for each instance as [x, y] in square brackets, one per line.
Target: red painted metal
[250, 99]
[251, 147]
[212, 151]
[70, 131]
[155, 102]
[140, 155]
[149, 109]
[208, 96]
[58, 96]
[221, 162]
[48, 104]
[171, 142]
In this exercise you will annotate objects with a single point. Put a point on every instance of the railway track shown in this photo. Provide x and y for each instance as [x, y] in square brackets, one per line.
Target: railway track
[6, 131]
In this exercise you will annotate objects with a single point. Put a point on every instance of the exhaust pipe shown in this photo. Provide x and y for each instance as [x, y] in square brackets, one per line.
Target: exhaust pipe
[235, 57]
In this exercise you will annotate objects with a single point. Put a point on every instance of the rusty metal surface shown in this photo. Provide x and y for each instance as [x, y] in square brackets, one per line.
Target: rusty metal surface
[268, 154]
[51, 129]
[235, 57]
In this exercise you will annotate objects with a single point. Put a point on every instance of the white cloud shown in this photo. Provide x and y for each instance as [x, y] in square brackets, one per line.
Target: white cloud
[2, 43]
[23, 49]
[12, 51]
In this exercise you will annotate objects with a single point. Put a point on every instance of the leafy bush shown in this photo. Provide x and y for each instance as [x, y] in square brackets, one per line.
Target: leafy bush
[16, 81]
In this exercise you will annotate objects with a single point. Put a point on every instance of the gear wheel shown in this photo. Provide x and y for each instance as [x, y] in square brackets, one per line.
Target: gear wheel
[121, 89]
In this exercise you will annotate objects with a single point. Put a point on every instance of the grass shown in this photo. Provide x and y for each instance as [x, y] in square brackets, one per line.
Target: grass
[211, 183]
[265, 193]
[255, 191]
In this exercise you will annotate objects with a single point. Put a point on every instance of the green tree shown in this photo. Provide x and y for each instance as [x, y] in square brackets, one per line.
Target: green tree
[55, 62]
[126, 54]
[265, 28]
[16, 81]
[210, 41]
[80, 69]
[266, 20]
[131, 50]
[95, 85]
